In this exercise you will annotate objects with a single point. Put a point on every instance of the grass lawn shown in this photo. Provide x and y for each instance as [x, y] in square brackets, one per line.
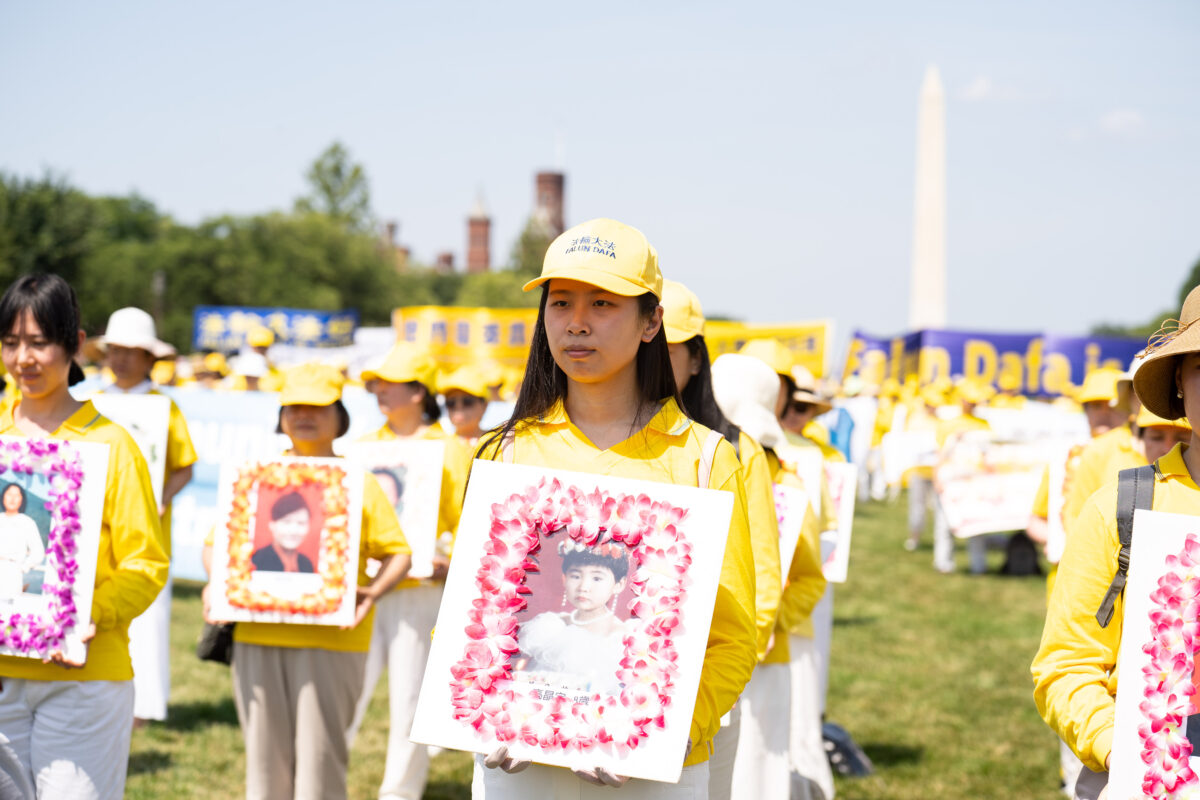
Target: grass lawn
[930, 674]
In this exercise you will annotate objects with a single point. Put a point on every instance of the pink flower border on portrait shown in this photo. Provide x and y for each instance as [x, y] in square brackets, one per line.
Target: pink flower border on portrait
[39, 634]
[1175, 638]
[483, 692]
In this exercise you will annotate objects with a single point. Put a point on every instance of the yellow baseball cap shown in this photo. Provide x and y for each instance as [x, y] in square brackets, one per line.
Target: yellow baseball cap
[405, 362]
[977, 392]
[1148, 419]
[776, 356]
[163, 371]
[604, 253]
[311, 385]
[683, 318]
[261, 336]
[468, 378]
[215, 362]
[1100, 385]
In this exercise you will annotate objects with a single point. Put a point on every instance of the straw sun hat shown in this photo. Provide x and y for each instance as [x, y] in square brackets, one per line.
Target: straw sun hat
[1154, 381]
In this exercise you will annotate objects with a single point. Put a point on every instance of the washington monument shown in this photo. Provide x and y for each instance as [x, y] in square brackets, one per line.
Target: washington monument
[927, 293]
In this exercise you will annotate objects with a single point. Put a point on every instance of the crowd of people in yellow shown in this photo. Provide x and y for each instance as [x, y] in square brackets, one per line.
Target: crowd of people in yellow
[619, 381]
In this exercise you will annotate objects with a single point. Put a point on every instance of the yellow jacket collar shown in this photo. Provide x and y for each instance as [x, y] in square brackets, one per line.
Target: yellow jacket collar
[670, 418]
[1173, 465]
[78, 422]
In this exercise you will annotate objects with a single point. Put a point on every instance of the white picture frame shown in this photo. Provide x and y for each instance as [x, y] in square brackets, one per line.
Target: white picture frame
[504, 506]
[147, 420]
[255, 577]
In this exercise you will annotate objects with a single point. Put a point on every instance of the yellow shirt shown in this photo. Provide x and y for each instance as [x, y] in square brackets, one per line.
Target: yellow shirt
[456, 465]
[1099, 462]
[381, 537]
[668, 450]
[806, 577]
[131, 567]
[764, 538]
[1075, 670]
[963, 423]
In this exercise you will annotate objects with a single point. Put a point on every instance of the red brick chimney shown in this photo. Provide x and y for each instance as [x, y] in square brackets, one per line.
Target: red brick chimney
[548, 201]
[479, 238]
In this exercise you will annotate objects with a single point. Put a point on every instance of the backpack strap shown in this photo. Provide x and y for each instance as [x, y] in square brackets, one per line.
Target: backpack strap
[704, 471]
[1135, 489]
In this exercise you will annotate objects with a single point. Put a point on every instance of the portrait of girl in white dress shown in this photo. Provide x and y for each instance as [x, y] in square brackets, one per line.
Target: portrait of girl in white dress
[578, 650]
[21, 548]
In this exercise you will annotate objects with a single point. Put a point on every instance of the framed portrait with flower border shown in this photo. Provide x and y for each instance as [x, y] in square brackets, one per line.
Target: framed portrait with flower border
[287, 547]
[410, 474]
[51, 510]
[575, 619]
[843, 483]
[1156, 737]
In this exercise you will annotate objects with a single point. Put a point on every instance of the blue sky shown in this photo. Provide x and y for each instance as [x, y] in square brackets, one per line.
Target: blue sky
[766, 149]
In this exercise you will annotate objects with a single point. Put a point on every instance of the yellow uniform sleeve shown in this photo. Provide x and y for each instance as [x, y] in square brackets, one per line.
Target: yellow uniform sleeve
[455, 467]
[805, 581]
[730, 656]
[1041, 501]
[764, 538]
[133, 547]
[1074, 670]
[180, 451]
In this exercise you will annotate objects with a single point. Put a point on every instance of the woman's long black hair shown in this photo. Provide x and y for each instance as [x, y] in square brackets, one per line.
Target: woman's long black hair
[699, 402]
[545, 384]
[55, 308]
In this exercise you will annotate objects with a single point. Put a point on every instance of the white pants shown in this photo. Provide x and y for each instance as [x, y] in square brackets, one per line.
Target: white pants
[720, 762]
[149, 644]
[64, 740]
[762, 769]
[920, 497]
[540, 782]
[806, 744]
[404, 621]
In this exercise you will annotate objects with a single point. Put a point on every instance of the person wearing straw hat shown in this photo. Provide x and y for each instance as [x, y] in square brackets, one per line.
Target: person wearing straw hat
[296, 686]
[132, 348]
[466, 394]
[780, 707]
[683, 321]
[599, 396]
[1075, 671]
[404, 385]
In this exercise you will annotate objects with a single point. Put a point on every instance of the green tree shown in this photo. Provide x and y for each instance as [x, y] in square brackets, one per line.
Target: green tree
[500, 289]
[338, 189]
[45, 226]
[529, 251]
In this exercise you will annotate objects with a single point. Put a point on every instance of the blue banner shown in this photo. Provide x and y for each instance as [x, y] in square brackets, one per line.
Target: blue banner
[224, 328]
[1033, 364]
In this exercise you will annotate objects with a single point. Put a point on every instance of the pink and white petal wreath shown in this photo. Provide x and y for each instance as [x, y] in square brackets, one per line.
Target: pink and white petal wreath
[1167, 678]
[60, 463]
[482, 688]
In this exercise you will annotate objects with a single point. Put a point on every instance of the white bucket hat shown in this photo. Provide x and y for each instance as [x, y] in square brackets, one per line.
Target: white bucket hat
[747, 389]
[132, 327]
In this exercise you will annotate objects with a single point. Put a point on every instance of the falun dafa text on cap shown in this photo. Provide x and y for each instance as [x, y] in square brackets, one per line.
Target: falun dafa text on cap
[683, 318]
[604, 253]
[311, 385]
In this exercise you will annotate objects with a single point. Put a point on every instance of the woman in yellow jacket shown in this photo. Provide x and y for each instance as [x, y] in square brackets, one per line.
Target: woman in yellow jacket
[65, 727]
[404, 388]
[296, 686]
[1075, 671]
[780, 707]
[683, 320]
[599, 397]
[131, 348]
